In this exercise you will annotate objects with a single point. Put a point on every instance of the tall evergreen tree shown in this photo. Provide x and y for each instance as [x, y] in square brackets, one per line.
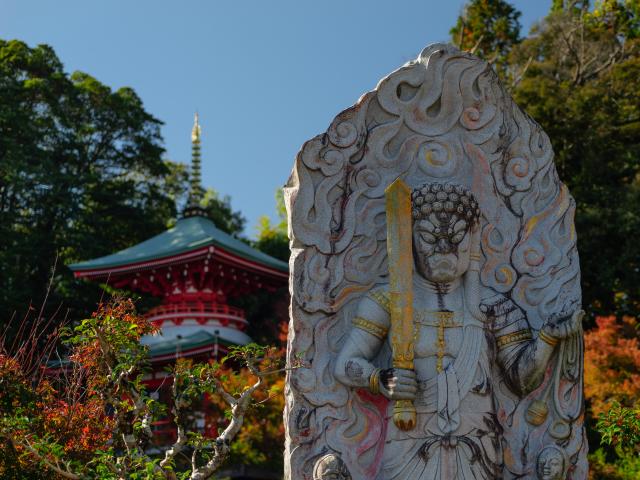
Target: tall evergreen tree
[81, 175]
[489, 28]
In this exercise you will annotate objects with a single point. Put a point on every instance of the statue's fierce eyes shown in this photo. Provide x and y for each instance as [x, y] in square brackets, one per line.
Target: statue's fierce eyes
[427, 237]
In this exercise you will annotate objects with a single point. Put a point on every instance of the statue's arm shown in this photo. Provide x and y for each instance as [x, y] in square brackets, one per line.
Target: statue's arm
[368, 331]
[524, 358]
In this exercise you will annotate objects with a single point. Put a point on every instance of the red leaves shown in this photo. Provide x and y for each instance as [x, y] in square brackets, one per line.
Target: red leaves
[68, 408]
[81, 427]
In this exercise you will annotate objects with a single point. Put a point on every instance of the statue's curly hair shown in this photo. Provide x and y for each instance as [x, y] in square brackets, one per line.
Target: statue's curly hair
[450, 207]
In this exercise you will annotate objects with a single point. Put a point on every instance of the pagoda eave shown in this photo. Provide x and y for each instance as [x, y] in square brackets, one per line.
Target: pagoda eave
[210, 252]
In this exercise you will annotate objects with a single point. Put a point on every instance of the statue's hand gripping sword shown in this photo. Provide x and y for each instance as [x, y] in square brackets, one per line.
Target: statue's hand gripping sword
[400, 260]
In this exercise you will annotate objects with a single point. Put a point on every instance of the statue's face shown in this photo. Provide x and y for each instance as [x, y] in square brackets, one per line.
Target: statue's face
[550, 465]
[445, 217]
[440, 257]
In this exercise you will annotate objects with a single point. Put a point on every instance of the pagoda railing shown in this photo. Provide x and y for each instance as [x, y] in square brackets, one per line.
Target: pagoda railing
[202, 312]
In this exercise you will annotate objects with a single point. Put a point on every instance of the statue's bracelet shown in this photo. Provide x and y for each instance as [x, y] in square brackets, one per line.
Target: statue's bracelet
[374, 381]
[548, 339]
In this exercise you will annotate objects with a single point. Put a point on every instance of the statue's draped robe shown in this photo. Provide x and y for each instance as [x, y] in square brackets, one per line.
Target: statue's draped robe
[457, 435]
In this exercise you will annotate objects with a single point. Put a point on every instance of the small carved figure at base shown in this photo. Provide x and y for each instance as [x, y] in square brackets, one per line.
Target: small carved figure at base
[330, 467]
[551, 464]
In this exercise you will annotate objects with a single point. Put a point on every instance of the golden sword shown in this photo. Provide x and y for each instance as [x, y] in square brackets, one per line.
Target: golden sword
[400, 260]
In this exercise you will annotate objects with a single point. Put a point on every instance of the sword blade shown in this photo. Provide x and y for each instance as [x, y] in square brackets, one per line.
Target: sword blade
[400, 260]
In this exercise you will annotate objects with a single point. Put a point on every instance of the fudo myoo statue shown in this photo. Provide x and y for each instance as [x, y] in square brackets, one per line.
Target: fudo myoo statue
[435, 288]
[458, 341]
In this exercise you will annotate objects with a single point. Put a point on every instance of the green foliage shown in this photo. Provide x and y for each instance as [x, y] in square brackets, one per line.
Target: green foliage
[219, 210]
[81, 175]
[601, 467]
[63, 424]
[618, 16]
[574, 6]
[274, 239]
[581, 85]
[488, 27]
[620, 427]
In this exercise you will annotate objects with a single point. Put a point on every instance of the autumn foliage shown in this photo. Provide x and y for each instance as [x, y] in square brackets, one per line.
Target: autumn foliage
[261, 440]
[612, 391]
[612, 364]
[57, 406]
[90, 415]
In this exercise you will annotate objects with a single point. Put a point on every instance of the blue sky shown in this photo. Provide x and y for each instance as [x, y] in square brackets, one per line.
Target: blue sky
[264, 75]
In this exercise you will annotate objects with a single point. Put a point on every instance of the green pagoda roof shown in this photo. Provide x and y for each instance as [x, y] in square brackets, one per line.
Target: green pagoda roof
[195, 341]
[188, 234]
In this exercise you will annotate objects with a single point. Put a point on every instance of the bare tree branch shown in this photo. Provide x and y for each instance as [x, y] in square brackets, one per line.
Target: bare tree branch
[238, 411]
[477, 45]
[178, 406]
[522, 73]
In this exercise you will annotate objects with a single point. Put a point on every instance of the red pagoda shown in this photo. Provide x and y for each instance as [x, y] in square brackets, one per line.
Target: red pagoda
[195, 268]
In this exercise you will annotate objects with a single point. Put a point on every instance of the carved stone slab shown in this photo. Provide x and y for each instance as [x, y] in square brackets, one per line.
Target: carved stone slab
[443, 117]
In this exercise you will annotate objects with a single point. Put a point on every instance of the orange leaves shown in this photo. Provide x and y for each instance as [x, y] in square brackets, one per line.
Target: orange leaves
[63, 415]
[612, 363]
[81, 427]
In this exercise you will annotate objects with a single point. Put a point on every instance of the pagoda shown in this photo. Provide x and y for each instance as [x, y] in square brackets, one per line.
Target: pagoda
[195, 269]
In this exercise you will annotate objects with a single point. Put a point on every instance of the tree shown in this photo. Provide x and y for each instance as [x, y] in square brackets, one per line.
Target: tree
[577, 75]
[219, 210]
[94, 420]
[612, 389]
[581, 85]
[260, 441]
[612, 364]
[488, 28]
[274, 239]
[81, 175]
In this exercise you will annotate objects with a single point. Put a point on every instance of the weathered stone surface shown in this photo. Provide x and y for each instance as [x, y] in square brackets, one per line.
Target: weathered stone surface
[497, 378]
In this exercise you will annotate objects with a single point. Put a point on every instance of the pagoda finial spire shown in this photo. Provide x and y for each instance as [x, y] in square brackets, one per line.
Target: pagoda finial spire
[196, 192]
[196, 186]
[195, 131]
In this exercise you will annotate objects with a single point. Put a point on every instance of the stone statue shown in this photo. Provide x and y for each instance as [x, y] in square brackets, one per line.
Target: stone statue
[458, 340]
[454, 349]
